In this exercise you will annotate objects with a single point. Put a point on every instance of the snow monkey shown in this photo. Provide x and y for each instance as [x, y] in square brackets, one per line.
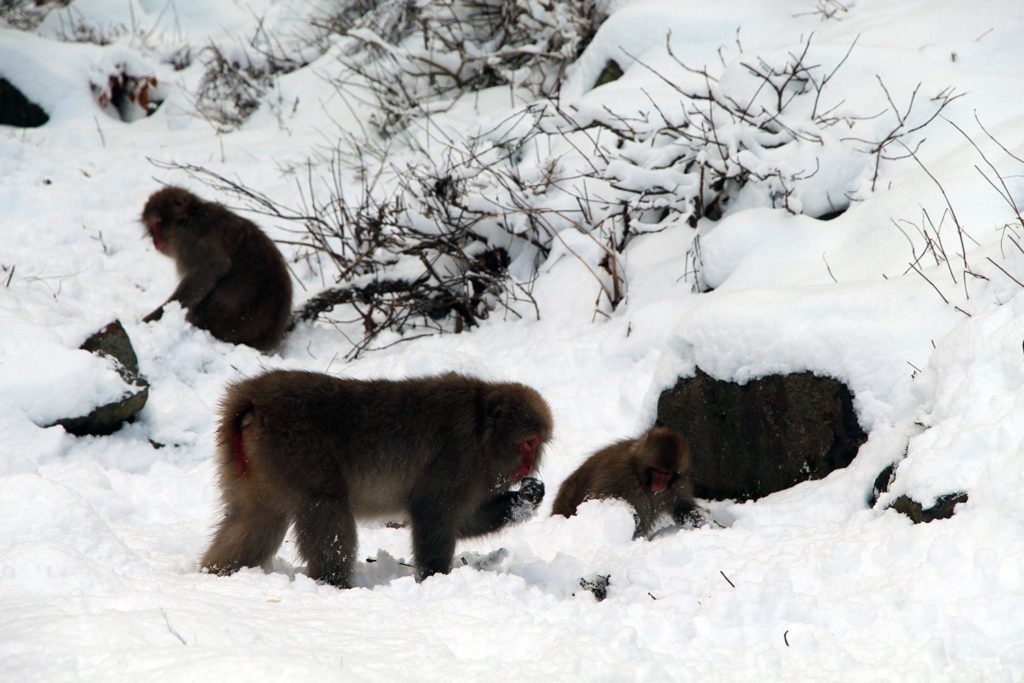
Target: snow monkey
[651, 473]
[320, 452]
[234, 281]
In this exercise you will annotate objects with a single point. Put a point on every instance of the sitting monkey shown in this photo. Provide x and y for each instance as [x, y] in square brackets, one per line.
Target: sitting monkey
[234, 281]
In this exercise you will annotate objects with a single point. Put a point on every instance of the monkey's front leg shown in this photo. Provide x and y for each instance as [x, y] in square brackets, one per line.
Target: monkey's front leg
[433, 538]
[505, 508]
[194, 287]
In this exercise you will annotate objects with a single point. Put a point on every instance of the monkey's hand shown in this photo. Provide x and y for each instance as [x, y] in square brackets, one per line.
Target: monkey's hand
[689, 515]
[526, 499]
[508, 507]
[531, 491]
[155, 315]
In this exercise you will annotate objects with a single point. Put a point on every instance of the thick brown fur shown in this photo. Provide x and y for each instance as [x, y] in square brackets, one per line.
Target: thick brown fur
[320, 452]
[626, 470]
[234, 282]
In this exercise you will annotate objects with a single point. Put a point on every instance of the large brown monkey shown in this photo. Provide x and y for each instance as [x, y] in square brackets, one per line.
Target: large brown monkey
[320, 451]
[651, 473]
[234, 282]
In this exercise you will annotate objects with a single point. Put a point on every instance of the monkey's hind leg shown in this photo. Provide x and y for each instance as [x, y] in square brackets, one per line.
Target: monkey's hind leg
[247, 536]
[325, 531]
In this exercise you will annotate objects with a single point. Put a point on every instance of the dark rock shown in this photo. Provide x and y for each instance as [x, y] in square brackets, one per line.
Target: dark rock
[832, 214]
[764, 436]
[611, 72]
[112, 341]
[18, 110]
[882, 483]
[943, 508]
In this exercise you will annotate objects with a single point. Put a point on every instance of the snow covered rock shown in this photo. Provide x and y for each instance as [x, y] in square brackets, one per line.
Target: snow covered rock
[18, 110]
[749, 440]
[112, 341]
[943, 507]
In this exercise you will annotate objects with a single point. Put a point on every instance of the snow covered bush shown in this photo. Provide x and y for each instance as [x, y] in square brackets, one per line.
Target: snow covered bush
[26, 14]
[763, 131]
[417, 57]
[125, 87]
[451, 225]
[231, 88]
[237, 79]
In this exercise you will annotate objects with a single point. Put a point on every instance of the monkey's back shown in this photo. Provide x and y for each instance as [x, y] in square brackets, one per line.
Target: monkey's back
[608, 473]
[252, 302]
[353, 437]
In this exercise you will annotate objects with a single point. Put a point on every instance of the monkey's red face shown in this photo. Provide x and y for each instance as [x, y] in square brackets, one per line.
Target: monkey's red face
[527, 457]
[660, 479]
[155, 227]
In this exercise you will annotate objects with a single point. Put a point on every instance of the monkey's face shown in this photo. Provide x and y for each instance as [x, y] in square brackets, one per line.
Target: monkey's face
[155, 230]
[529, 453]
[520, 425]
[659, 480]
[165, 210]
[664, 459]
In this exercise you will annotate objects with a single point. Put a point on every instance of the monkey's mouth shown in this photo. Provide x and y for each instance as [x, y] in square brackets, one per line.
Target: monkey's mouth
[661, 479]
[527, 458]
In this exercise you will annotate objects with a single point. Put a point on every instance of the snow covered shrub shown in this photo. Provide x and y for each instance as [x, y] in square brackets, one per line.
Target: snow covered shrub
[70, 24]
[25, 15]
[237, 78]
[829, 9]
[231, 87]
[416, 57]
[450, 227]
[946, 256]
[428, 244]
[125, 86]
[762, 132]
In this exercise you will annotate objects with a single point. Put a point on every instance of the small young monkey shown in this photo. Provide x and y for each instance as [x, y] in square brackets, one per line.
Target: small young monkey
[320, 452]
[234, 282]
[651, 473]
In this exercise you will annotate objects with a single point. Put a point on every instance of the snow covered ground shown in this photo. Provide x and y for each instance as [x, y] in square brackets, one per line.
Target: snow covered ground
[99, 536]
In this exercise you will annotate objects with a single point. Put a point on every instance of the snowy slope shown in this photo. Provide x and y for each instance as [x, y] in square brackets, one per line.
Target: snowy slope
[99, 537]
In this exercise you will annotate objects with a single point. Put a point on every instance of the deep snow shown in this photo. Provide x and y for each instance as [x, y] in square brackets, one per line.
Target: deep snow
[99, 537]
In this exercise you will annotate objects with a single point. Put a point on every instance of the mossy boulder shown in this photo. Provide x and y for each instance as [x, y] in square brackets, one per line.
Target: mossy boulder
[750, 440]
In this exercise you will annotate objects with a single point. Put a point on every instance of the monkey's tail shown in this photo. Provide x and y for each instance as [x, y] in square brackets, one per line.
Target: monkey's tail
[236, 414]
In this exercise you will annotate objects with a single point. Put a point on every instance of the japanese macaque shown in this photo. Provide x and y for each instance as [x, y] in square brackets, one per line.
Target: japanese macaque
[234, 282]
[651, 473]
[320, 452]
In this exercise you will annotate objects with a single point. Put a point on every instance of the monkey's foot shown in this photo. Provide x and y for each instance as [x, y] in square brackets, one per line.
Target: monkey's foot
[698, 517]
[596, 584]
[489, 562]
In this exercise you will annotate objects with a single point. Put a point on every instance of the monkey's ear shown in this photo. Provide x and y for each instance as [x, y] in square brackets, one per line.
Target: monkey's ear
[496, 406]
